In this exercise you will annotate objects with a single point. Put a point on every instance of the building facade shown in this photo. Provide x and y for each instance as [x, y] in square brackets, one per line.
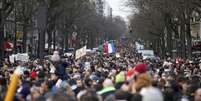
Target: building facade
[107, 10]
[196, 27]
[102, 8]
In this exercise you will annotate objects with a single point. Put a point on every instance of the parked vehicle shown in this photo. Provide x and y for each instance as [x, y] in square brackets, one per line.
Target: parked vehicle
[147, 54]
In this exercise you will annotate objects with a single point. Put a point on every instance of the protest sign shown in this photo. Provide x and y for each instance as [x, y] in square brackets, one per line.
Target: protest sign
[81, 52]
[19, 57]
[12, 58]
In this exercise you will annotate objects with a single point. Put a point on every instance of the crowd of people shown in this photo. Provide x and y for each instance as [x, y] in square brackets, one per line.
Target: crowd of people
[99, 77]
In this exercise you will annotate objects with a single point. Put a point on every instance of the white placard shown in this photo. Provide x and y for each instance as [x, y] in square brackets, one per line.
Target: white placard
[12, 58]
[22, 57]
[81, 52]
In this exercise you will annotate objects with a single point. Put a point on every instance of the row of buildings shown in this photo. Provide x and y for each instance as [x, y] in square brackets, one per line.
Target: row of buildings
[103, 7]
[196, 26]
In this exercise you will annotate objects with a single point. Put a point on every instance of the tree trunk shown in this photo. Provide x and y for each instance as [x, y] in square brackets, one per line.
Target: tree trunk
[1, 35]
[158, 47]
[42, 23]
[62, 41]
[54, 40]
[188, 33]
[154, 45]
[24, 41]
[169, 34]
[1, 39]
[183, 41]
[189, 39]
[169, 41]
[163, 47]
[49, 31]
[65, 40]
[41, 44]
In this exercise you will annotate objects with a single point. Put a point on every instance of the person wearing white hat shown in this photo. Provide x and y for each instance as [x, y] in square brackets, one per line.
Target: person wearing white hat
[108, 88]
[55, 57]
[151, 94]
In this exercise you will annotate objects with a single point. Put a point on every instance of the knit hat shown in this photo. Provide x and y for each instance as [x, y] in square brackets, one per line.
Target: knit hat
[33, 74]
[41, 74]
[120, 77]
[141, 68]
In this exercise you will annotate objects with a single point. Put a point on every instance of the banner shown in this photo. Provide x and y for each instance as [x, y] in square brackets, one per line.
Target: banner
[19, 57]
[81, 52]
[139, 46]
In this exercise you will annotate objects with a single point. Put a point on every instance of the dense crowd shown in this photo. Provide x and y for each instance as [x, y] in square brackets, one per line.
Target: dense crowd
[98, 77]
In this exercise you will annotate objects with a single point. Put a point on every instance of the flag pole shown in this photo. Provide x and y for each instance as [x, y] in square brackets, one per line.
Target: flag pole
[13, 84]
[12, 87]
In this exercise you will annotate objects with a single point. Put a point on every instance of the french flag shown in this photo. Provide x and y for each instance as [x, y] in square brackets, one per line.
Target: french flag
[109, 48]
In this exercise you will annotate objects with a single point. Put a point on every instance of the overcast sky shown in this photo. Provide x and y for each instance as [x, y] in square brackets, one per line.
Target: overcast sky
[119, 8]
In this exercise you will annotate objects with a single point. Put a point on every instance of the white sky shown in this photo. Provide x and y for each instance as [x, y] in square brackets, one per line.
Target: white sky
[119, 8]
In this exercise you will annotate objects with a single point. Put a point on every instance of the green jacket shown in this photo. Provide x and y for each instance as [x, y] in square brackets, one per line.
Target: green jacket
[105, 90]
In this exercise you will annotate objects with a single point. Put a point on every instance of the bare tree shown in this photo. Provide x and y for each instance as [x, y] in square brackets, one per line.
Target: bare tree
[172, 19]
[59, 19]
[25, 10]
[5, 10]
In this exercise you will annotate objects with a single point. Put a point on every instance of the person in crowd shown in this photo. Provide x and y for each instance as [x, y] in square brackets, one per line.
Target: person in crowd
[120, 80]
[198, 95]
[145, 88]
[90, 95]
[108, 88]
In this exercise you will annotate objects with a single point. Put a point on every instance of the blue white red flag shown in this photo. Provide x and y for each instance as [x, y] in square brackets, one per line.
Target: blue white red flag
[109, 48]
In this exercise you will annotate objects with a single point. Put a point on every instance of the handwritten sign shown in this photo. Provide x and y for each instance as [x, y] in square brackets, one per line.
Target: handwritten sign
[81, 52]
[19, 57]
